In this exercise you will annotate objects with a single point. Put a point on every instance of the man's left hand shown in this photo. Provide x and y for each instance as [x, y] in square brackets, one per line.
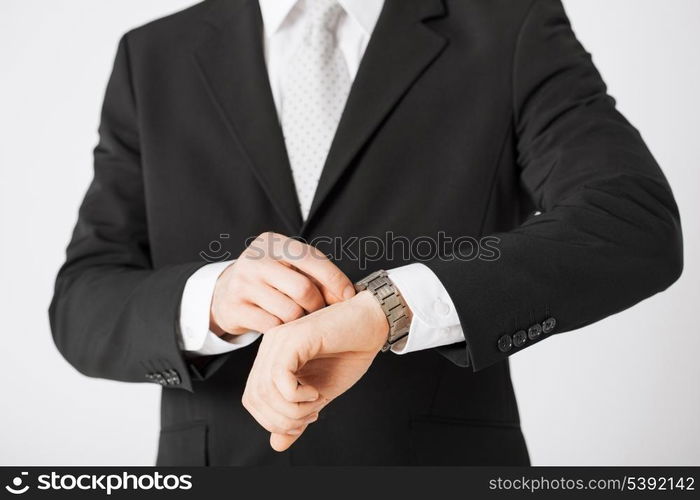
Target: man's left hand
[303, 365]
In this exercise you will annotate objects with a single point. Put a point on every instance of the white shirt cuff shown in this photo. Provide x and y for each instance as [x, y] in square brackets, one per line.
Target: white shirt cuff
[195, 338]
[213, 344]
[435, 321]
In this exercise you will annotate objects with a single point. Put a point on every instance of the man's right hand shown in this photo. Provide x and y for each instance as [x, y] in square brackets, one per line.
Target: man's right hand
[274, 281]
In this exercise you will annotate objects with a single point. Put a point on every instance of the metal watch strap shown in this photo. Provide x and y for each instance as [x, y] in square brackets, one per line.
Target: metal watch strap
[391, 302]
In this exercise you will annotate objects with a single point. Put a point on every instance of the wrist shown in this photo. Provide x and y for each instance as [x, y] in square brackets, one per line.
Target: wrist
[372, 312]
[215, 310]
[396, 312]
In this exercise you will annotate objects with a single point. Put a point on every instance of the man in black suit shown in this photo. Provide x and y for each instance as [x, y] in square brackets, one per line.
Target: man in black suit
[331, 121]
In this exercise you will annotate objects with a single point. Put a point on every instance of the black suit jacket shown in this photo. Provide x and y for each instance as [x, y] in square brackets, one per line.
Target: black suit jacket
[465, 117]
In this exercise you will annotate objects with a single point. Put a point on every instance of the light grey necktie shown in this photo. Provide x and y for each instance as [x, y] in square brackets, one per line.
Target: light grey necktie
[315, 87]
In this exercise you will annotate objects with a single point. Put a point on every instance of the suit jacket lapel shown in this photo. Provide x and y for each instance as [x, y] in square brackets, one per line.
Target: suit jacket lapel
[400, 50]
[232, 64]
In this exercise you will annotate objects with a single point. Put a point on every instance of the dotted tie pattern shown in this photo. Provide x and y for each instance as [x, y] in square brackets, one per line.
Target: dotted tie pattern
[315, 87]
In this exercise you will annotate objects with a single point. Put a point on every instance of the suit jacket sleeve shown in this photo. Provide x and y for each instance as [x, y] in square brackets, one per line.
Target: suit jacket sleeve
[609, 233]
[113, 315]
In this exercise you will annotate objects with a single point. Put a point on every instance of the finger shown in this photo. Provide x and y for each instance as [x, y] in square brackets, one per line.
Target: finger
[272, 421]
[312, 262]
[263, 418]
[289, 387]
[283, 374]
[328, 297]
[256, 319]
[278, 421]
[301, 410]
[282, 442]
[276, 303]
[294, 285]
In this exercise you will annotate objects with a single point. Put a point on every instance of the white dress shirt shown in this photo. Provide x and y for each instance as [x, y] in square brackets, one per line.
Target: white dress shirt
[435, 322]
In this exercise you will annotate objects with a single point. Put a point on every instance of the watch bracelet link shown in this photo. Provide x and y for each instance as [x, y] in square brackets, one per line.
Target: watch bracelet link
[391, 302]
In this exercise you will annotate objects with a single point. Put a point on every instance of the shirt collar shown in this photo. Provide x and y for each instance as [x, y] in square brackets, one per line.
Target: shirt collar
[364, 12]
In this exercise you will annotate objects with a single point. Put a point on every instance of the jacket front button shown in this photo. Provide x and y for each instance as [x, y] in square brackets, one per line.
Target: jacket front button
[505, 343]
[519, 338]
[548, 325]
[534, 331]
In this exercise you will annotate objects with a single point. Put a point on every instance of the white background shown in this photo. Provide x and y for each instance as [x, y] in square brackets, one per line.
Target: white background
[624, 391]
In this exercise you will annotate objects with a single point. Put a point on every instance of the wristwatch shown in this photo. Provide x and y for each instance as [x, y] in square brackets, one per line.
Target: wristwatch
[391, 302]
